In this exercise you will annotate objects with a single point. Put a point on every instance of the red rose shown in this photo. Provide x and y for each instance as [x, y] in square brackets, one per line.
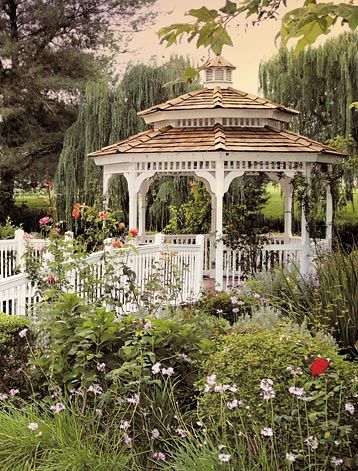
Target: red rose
[51, 280]
[319, 366]
[116, 244]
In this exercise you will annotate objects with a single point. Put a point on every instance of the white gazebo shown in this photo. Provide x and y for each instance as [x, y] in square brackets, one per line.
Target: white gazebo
[218, 133]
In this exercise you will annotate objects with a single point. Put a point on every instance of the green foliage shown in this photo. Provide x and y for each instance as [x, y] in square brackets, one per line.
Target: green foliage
[327, 300]
[283, 356]
[13, 352]
[209, 27]
[77, 337]
[228, 306]
[308, 82]
[7, 230]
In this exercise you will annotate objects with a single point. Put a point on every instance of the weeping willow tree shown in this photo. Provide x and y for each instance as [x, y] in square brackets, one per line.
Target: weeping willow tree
[108, 114]
[319, 82]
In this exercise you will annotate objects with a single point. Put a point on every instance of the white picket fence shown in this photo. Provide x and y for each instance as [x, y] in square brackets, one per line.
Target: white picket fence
[177, 270]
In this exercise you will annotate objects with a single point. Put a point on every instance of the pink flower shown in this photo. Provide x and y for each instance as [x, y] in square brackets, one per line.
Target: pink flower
[101, 367]
[127, 440]
[23, 333]
[168, 371]
[133, 400]
[158, 455]
[156, 368]
[233, 404]
[155, 434]
[224, 458]
[124, 425]
[181, 432]
[44, 221]
[102, 215]
[13, 392]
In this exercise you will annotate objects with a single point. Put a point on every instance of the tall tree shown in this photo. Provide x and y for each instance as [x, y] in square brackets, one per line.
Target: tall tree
[48, 51]
[319, 82]
[108, 114]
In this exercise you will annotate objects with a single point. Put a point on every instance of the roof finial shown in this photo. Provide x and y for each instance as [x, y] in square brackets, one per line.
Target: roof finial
[218, 72]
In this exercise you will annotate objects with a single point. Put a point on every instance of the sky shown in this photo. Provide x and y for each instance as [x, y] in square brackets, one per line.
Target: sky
[252, 46]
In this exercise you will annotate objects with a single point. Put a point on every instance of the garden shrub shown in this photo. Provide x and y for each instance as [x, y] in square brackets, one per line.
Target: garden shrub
[81, 345]
[229, 306]
[296, 405]
[14, 350]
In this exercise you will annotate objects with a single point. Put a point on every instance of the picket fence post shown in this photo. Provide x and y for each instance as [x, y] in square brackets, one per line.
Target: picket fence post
[21, 249]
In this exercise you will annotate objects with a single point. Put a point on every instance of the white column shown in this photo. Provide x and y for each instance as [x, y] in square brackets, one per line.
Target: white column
[305, 261]
[288, 194]
[219, 195]
[133, 203]
[329, 216]
[106, 181]
[212, 244]
[142, 206]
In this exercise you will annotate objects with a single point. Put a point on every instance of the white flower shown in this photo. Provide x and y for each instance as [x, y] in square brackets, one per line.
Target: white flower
[133, 400]
[155, 434]
[13, 392]
[33, 426]
[124, 425]
[220, 447]
[232, 405]
[95, 389]
[211, 380]
[99, 412]
[234, 300]
[101, 367]
[168, 371]
[158, 455]
[3, 397]
[336, 461]
[58, 407]
[267, 432]
[267, 395]
[156, 368]
[294, 371]
[312, 442]
[266, 383]
[200, 423]
[224, 458]
[299, 392]
[127, 440]
[23, 333]
[181, 432]
[233, 388]
[219, 311]
[290, 457]
[236, 310]
[349, 407]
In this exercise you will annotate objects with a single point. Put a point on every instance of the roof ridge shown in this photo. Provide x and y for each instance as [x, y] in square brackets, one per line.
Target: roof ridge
[219, 137]
[217, 97]
[169, 102]
[263, 101]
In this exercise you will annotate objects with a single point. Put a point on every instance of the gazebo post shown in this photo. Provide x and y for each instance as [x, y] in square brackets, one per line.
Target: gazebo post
[105, 183]
[305, 236]
[219, 252]
[329, 216]
[212, 247]
[288, 198]
[142, 207]
[133, 203]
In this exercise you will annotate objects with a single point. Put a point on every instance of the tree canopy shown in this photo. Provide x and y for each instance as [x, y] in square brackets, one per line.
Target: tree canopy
[108, 114]
[49, 49]
[320, 82]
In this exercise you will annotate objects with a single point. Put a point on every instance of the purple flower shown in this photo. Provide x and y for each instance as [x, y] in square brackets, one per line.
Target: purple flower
[181, 432]
[155, 434]
[127, 440]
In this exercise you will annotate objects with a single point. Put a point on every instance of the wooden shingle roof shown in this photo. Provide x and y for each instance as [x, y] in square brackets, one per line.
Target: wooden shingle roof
[260, 139]
[209, 98]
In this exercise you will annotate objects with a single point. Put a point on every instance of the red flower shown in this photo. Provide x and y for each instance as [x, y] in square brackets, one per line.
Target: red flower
[133, 232]
[102, 215]
[51, 280]
[116, 244]
[75, 213]
[319, 366]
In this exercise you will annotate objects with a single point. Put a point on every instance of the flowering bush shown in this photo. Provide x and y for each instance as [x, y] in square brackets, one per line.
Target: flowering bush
[14, 350]
[283, 386]
[229, 306]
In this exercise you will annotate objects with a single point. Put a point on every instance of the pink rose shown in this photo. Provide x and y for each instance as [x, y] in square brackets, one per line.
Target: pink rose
[45, 220]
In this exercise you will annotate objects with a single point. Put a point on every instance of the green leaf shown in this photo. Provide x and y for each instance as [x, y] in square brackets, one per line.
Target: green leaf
[203, 14]
[220, 38]
[229, 8]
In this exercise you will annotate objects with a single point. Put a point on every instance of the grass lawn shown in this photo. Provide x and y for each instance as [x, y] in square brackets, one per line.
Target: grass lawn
[275, 206]
[32, 201]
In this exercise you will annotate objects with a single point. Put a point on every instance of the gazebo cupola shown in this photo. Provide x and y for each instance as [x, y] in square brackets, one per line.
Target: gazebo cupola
[218, 72]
